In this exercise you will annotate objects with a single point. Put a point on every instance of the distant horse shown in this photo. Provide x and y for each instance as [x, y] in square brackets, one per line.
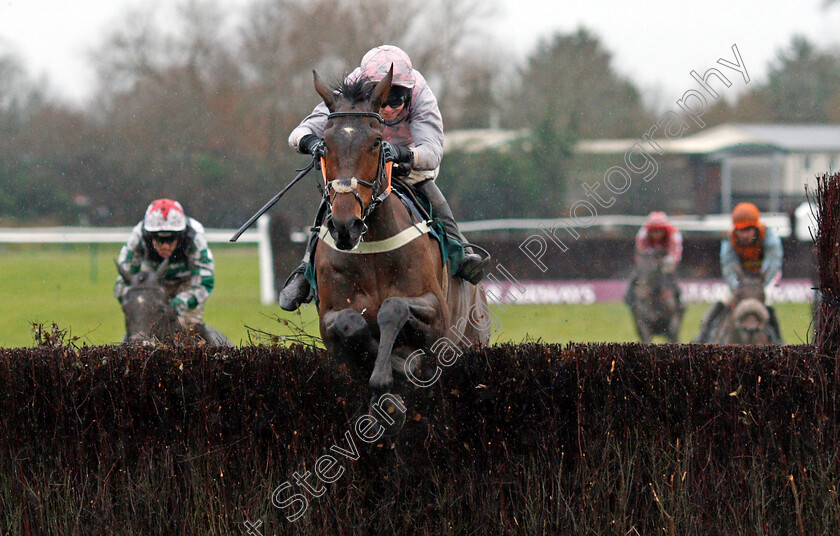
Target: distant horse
[386, 299]
[654, 304]
[149, 317]
[748, 321]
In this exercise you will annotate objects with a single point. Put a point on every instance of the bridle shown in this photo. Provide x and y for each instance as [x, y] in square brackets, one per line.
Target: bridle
[381, 185]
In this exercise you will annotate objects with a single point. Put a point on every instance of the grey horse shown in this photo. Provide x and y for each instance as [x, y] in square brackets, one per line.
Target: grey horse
[748, 320]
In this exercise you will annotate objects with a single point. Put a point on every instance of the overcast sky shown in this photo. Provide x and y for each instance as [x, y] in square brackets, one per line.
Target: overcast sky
[655, 42]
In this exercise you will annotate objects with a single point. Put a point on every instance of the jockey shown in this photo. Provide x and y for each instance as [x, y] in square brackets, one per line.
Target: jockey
[658, 237]
[414, 132]
[167, 233]
[751, 248]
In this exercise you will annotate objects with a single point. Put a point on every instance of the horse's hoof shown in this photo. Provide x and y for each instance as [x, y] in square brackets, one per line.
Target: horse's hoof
[390, 430]
[390, 414]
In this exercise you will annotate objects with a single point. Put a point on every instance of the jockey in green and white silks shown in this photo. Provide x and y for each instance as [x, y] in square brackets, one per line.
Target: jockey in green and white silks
[167, 233]
[413, 132]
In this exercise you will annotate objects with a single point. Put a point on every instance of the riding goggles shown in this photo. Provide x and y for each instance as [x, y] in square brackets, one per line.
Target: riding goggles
[397, 97]
[165, 238]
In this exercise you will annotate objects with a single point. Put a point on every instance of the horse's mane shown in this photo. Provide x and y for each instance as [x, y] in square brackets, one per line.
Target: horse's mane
[356, 91]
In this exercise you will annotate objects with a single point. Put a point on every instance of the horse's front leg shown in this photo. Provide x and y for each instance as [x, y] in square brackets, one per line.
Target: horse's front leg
[674, 323]
[645, 332]
[642, 329]
[419, 313]
[348, 336]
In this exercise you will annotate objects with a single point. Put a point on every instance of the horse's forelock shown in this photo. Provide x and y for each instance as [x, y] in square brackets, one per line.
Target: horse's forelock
[144, 281]
[356, 91]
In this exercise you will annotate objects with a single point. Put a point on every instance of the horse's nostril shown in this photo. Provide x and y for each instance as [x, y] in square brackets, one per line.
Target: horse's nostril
[359, 227]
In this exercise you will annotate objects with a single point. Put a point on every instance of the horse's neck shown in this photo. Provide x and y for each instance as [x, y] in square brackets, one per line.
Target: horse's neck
[649, 277]
[386, 220]
[751, 290]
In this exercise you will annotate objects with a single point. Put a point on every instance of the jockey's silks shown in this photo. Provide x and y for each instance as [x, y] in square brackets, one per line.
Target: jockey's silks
[751, 256]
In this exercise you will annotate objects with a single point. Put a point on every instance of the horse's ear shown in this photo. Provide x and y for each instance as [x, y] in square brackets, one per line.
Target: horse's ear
[162, 268]
[123, 273]
[380, 92]
[324, 91]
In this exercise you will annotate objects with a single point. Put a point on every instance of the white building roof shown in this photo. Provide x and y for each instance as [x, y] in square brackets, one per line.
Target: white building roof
[772, 137]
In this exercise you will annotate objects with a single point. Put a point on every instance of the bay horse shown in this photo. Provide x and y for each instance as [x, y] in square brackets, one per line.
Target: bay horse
[384, 292]
[150, 318]
[655, 307]
[748, 320]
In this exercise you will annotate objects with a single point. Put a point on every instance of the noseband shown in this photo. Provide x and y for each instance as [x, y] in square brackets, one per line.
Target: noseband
[350, 184]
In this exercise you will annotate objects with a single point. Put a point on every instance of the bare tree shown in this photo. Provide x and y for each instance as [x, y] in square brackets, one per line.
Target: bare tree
[454, 57]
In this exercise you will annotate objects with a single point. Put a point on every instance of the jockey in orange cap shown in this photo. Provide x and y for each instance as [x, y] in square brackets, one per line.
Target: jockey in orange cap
[659, 238]
[751, 248]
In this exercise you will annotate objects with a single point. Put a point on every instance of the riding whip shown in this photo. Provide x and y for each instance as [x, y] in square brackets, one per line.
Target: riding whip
[271, 202]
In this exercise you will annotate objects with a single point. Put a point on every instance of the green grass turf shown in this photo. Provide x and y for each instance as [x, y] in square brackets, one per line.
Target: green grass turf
[72, 287]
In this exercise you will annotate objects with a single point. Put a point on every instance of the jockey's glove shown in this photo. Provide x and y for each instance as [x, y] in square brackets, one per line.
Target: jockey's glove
[398, 154]
[179, 305]
[312, 145]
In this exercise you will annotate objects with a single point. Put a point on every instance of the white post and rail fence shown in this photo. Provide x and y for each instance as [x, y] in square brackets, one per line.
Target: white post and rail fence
[717, 223]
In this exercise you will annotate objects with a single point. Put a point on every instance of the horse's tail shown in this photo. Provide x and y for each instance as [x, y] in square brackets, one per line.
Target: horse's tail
[469, 311]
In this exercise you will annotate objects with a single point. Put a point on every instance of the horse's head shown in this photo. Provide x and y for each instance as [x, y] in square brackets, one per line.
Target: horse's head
[354, 166]
[750, 288]
[145, 305]
[649, 281]
[750, 321]
[750, 318]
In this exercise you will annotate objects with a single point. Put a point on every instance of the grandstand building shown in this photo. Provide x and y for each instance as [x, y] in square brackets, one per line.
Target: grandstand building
[706, 172]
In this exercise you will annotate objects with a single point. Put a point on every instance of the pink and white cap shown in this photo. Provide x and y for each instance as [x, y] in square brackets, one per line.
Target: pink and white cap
[164, 215]
[657, 220]
[377, 62]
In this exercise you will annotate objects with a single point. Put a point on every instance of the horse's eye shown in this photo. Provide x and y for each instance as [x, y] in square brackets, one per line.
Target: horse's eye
[376, 143]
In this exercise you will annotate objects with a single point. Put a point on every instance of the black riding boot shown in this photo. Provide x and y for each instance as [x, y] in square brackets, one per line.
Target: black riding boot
[629, 295]
[672, 284]
[774, 323]
[296, 289]
[709, 321]
[472, 265]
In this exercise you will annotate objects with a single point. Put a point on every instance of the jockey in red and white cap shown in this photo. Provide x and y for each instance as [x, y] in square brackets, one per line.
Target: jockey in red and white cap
[166, 232]
[659, 237]
[414, 130]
